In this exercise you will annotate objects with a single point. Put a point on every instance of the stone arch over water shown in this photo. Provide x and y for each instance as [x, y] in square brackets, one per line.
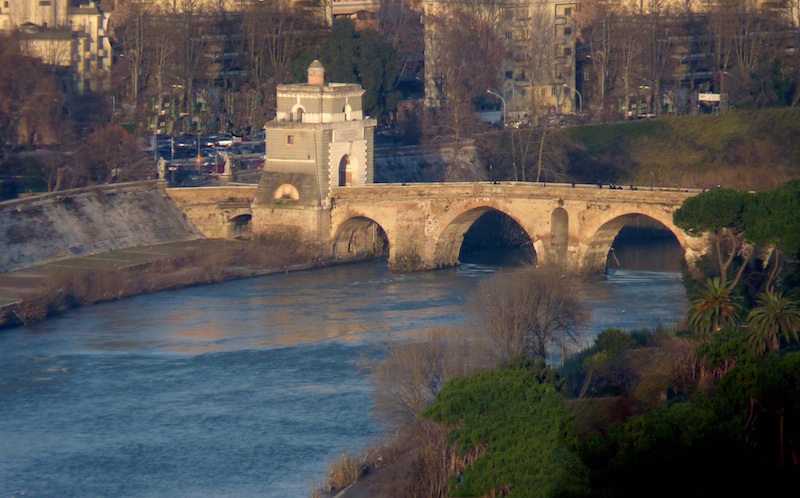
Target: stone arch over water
[450, 241]
[599, 245]
[360, 238]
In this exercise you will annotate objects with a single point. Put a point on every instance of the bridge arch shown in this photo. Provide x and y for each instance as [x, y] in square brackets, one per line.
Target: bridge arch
[241, 225]
[449, 243]
[599, 243]
[359, 238]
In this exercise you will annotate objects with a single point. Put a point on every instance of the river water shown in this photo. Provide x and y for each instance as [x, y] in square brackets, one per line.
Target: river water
[240, 389]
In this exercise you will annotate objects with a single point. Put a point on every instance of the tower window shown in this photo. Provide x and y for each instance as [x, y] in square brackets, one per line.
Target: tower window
[290, 140]
[567, 31]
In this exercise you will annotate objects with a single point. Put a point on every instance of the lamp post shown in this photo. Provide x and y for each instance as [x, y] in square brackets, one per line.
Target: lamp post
[580, 100]
[504, 104]
[64, 106]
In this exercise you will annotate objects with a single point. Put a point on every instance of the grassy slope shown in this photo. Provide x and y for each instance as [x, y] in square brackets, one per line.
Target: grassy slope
[748, 149]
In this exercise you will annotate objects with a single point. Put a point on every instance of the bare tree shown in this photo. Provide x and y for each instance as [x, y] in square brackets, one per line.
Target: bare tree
[464, 53]
[538, 49]
[596, 21]
[661, 35]
[28, 96]
[412, 372]
[525, 311]
[193, 42]
[111, 155]
[130, 28]
[629, 52]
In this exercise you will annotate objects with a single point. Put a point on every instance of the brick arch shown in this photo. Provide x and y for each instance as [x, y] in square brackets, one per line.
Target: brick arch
[230, 215]
[598, 244]
[286, 191]
[448, 243]
[359, 237]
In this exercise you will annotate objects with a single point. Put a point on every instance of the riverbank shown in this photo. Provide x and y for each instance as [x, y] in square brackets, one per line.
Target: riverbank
[37, 292]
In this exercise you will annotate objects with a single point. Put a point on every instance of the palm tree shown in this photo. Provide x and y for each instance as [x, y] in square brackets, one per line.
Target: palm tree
[716, 308]
[773, 317]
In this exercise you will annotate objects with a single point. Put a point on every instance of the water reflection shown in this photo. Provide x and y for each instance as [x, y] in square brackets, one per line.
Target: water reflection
[246, 388]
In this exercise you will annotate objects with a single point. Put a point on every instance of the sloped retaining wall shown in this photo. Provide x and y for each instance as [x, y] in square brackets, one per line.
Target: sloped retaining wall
[433, 163]
[85, 221]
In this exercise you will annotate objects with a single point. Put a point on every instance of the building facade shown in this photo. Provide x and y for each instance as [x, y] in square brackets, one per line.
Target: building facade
[319, 139]
[538, 73]
[67, 35]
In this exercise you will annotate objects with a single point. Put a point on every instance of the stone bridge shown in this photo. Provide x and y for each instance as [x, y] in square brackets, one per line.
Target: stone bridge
[424, 224]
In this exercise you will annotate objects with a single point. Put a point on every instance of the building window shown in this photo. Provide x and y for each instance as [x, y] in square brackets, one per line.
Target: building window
[508, 35]
[567, 31]
[553, 92]
[509, 75]
[290, 140]
[567, 51]
[44, 3]
[567, 12]
[586, 76]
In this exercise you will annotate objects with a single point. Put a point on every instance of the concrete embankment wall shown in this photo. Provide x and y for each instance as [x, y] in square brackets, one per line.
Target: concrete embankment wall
[429, 164]
[85, 221]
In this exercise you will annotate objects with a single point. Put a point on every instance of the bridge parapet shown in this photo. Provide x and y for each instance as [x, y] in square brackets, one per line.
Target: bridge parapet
[216, 211]
[555, 191]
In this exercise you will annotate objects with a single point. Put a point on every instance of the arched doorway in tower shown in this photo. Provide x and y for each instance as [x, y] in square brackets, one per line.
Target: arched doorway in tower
[347, 171]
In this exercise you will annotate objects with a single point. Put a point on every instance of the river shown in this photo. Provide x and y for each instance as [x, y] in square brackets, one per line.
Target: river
[241, 389]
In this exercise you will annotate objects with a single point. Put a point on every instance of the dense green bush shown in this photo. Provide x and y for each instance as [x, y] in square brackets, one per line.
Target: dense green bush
[517, 416]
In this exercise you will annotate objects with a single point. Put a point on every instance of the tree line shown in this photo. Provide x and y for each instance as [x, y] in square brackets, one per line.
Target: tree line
[643, 52]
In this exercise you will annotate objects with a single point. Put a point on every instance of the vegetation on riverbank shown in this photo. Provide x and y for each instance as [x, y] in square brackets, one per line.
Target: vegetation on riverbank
[66, 289]
[747, 150]
[711, 408]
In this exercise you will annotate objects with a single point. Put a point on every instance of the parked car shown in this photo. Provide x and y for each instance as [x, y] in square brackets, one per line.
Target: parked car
[224, 141]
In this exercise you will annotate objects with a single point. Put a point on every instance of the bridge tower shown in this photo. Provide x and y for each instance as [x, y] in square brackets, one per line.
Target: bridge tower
[319, 139]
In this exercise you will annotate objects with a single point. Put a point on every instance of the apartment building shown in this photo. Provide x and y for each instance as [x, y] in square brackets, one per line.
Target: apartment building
[68, 35]
[539, 69]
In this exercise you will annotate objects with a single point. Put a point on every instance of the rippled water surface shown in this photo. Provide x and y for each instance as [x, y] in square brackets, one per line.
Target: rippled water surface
[241, 389]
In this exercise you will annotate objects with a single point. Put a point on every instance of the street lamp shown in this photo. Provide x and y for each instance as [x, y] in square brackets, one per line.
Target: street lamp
[64, 106]
[504, 104]
[580, 100]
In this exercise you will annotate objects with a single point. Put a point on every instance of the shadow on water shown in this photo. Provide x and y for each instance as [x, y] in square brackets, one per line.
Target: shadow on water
[645, 248]
[245, 388]
[496, 240]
